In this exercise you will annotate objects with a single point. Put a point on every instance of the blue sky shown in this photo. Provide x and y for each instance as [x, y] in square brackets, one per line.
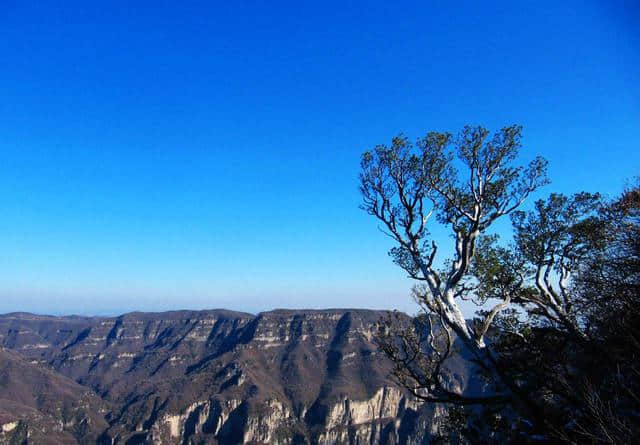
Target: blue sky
[205, 154]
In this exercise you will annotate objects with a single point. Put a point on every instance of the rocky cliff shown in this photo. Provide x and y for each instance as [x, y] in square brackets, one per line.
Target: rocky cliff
[193, 377]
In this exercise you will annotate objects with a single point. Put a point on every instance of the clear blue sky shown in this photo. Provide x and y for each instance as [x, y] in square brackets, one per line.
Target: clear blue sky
[205, 154]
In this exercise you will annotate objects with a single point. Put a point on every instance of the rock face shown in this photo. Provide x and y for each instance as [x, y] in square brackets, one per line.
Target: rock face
[195, 377]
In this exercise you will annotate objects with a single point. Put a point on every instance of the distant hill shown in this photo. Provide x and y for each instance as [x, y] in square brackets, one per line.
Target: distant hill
[214, 377]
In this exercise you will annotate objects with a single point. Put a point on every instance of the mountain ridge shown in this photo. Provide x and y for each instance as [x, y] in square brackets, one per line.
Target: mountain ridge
[22, 314]
[219, 376]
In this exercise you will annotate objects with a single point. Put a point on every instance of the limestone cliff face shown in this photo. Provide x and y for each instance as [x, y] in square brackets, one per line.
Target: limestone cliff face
[386, 418]
[282, 377]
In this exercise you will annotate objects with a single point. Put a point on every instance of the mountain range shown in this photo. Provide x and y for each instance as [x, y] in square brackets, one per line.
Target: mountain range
[204, 377]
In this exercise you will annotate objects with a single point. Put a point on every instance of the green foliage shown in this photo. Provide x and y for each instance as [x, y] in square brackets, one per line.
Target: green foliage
[560, 230]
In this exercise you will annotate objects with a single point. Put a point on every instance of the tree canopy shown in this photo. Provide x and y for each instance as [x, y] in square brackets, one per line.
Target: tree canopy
[549, 301]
